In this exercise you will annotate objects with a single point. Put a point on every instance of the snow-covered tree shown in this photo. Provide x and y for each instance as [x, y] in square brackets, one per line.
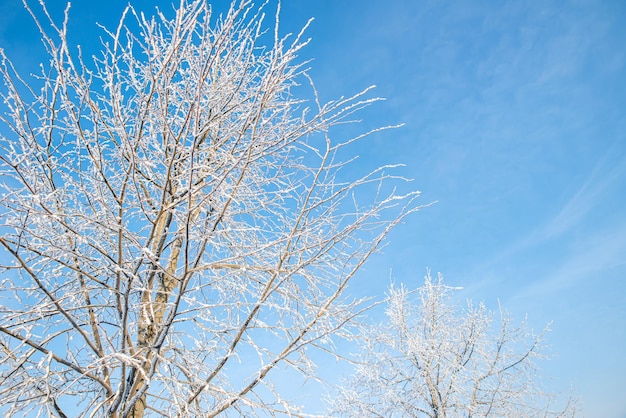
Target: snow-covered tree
[176, 223]
[433, 359]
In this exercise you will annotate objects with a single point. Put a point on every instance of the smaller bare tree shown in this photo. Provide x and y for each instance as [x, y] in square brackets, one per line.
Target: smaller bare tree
[433, 359]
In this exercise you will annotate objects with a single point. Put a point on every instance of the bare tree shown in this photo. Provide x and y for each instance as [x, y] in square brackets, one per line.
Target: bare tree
[433, 359]
[175, 222]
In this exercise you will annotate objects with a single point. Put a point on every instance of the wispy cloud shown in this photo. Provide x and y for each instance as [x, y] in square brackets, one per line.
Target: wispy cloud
[599, 253]
[604, 176]
[578, 243]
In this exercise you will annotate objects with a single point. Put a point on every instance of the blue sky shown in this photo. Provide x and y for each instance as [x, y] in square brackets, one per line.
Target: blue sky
[515, 123]
[515, 118]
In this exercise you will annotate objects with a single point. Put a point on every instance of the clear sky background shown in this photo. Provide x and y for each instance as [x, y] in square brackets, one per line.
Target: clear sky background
[515, 123]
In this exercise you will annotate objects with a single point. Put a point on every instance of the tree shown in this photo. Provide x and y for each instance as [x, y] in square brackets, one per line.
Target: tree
[432, 359]
[176, 223]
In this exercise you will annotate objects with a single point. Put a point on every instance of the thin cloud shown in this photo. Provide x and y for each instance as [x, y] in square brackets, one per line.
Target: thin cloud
[603, 177]
[602, 251]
